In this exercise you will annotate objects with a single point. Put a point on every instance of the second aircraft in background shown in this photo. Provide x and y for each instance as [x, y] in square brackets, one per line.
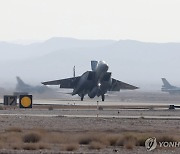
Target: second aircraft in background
[167, 87]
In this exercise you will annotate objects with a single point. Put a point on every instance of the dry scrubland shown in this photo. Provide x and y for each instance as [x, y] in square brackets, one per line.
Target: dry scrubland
[47, 141]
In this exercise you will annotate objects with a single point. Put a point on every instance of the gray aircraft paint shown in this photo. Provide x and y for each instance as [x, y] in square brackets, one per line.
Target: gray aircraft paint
[94, 83]
[25, 88]
[167, 87]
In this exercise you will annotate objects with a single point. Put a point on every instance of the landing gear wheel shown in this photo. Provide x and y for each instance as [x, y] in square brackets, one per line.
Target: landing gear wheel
[82, 97]
[103, 97]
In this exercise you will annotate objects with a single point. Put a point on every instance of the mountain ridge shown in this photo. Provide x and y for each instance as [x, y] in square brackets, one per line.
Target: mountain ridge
[129, 60]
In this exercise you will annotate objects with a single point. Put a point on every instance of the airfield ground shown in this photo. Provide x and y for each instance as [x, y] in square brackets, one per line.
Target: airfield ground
[121, 125]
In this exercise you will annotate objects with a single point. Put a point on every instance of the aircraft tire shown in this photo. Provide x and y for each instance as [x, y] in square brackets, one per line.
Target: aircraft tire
[103, 97]
[82, 97]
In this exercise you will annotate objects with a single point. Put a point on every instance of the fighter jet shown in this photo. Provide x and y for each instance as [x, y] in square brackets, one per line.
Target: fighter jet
[94, 83]
[25, 88]
[167, 87]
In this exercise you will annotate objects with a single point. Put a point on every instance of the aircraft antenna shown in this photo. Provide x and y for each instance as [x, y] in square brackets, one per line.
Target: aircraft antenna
[74, 71]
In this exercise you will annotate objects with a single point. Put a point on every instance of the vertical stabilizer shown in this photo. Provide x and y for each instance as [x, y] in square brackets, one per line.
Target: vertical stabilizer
[94, 65]
[166, 83]
[21, 86]
[19, 81]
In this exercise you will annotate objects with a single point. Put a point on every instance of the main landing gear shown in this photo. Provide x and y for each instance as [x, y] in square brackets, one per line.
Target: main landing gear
[103, 97]
[82, 97]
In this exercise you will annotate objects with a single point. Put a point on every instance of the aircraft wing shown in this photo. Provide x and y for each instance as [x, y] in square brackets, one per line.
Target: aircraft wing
[117, 85]
[64, 83]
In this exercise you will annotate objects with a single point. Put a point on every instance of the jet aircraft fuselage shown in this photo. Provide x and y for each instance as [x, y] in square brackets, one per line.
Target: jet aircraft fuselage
[94, 83]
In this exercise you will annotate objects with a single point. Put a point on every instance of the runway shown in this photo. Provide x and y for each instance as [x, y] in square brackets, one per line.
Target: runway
[97, 116]
[113, 101]
[93, 102]
[89, 109]
[78, 112]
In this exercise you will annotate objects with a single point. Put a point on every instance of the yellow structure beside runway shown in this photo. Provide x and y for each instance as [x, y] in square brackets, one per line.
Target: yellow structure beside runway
[25, 101]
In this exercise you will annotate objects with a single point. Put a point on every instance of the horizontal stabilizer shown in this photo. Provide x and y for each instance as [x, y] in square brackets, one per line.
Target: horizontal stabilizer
[117, 85]
[69, 93]
[54, 82]
[64, 83]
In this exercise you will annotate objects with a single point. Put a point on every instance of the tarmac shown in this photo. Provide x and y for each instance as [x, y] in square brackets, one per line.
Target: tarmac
[125, 106]
[89, 108]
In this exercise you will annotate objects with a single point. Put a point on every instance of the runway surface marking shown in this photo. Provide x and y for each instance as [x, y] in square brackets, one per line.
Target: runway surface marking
[94, 102]
[100, 116]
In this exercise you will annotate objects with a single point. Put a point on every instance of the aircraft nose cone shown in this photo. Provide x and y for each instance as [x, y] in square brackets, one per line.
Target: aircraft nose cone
[103, 66]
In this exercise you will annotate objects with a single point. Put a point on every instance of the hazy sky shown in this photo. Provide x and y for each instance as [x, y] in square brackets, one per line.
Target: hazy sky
[144, 20]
